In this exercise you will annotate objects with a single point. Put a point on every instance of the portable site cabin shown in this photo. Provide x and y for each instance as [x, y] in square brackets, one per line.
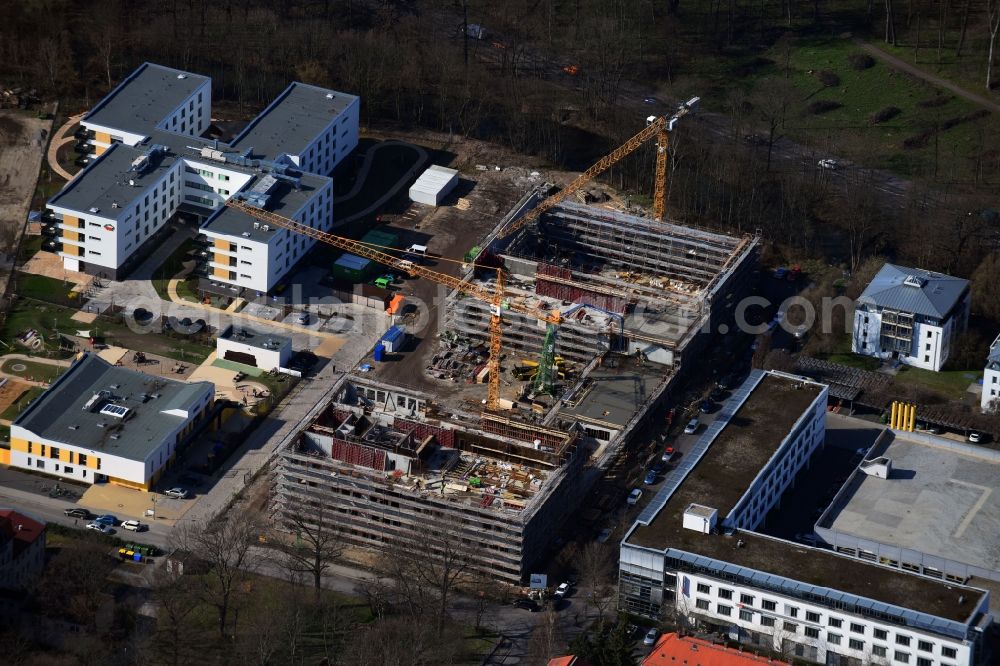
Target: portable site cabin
[434, 185]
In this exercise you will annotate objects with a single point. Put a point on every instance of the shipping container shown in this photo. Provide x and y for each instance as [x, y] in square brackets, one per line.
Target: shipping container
[434, 185]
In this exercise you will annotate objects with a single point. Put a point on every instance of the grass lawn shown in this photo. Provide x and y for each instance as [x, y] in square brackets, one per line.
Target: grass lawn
[23, 401]
[952, 383]
[43, 288]
[41, 372]
[171, 266]
[188, 289]
[47, 318]
[847, 130]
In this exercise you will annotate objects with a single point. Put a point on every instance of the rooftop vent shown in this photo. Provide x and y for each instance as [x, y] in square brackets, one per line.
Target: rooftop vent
[256, 225]
[182, 76]
[102, 424]
[246, 234]
[914, 281]
[329, 95]
[74, 427]
[116, 436]
[114, 204]
[700, 518]
[131, 182]
[93, 209]
[880, 468]
[264, 227]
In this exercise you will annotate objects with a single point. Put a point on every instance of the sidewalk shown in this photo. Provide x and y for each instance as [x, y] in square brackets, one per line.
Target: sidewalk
[58, 141]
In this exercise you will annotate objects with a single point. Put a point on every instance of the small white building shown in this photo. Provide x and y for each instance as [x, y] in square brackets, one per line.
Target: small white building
[250, 347]
[991, 377]
[434, 185]
[911, 315]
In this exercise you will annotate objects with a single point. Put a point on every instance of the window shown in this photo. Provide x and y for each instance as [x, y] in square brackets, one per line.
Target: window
[925, 646]
[67, 470]
[81, 459]
[791, 611]
[879, 650]
[40, 464]
[812, 617]
[724, 610]
[927, 347]
[855, 644]
[790, 627]
[702, 604]
[746, 615]
[53, 452]
[857, 628]
[767, 621]
[927, 358]
[902, 657]
[929, 334]
[746, 599]
[725, 594]
[833, 639]
[902, 640]
[812, 632]
[880, 634]
[223, 176]
[948, 652]
[923, 661]
[704, 589]
[31, 446]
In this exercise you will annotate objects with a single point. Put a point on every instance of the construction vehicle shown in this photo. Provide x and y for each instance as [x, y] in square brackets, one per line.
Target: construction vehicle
[495, 298]
[656, 126]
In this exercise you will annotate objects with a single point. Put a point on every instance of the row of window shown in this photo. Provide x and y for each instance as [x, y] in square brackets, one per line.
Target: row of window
[747, 602]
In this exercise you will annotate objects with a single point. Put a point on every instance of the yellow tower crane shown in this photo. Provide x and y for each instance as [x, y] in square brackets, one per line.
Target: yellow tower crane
[656, 126]
[495, 298]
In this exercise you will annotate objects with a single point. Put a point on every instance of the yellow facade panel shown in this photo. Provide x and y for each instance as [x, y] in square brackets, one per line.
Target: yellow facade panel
[18, 444]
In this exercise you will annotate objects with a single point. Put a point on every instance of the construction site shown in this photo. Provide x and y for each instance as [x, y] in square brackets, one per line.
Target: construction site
[559, 336]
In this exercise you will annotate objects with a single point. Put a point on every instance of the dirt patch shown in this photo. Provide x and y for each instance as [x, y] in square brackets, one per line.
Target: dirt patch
[11, 130]
[11, 390]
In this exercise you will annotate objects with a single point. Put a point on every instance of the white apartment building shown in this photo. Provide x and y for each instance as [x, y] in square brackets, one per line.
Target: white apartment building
[102, 423]
[251, 347]
[693, 552]
[911, 315]
[991, 377]
[152, 164]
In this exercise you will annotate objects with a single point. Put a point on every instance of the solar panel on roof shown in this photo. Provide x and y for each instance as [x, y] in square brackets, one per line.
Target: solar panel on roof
[118, 411]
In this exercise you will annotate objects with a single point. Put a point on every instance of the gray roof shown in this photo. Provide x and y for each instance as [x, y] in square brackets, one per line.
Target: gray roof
[145, 98]
[291, 121]
[995, 351]
[254, 338]
[285, 200]
[59, 414]
[914, 290]
[105, 181]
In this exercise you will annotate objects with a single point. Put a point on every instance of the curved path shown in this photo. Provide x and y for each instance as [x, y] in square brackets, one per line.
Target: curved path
[32, 359]
[933, 79]
[57, 142]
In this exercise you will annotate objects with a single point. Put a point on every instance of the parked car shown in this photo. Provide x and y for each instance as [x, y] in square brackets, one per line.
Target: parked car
[562, 590]
[828, 164]
[604, 535]
[668, 454]
[100, 527]
[975, 437]
[650, 477]
[780, 273]
[303, 318]
[133, 526]
[176, 493]
[77, 512]
[658, 468]
[692, 426]
[526, 604]
[650, 638]
[633, 497]
[106, 519]
[706, 406]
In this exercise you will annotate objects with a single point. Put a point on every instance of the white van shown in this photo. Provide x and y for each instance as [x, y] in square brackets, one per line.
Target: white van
[418, 250]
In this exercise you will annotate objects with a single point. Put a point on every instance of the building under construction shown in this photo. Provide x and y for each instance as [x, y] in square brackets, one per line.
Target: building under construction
[397, 466]
[392, 471]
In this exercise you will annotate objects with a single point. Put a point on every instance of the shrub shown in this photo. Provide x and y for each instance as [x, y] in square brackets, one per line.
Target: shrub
[884, 114]
[828, 78]
[860, 61]
[822, 106]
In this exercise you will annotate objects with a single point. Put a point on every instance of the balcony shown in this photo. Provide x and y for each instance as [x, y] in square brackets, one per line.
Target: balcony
[52, 245]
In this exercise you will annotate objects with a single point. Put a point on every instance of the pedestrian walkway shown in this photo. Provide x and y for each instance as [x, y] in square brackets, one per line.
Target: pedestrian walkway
[57, 142]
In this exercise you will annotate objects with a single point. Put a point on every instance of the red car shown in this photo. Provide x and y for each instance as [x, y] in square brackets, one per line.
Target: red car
[668, 454]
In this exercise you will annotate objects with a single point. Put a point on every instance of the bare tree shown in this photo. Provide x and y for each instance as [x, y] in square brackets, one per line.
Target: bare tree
[74, 582]
[226, 547]
[771, 101]
[175, 637]
[318, 544]
[596, 566]
[993, 26]
[546, 640]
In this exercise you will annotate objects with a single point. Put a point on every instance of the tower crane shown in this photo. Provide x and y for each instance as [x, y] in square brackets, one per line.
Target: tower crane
[495, 298]
[656, 126]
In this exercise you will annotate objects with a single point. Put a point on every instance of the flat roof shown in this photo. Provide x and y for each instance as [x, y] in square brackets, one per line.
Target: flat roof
[617, 393]
[145, 98]
[292, 121]
[60, 415]
[722, 476]
[285, 200]
[254, 338]
[939, 500]
[105, 181]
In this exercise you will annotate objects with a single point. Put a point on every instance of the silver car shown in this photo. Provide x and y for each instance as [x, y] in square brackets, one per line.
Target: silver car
[176, 493]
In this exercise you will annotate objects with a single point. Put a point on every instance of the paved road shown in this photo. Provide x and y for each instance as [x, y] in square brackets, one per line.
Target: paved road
[933, 79]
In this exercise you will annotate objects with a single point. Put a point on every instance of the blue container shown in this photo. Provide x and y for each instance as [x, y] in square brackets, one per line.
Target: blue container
[379, 353]
[137, 557]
